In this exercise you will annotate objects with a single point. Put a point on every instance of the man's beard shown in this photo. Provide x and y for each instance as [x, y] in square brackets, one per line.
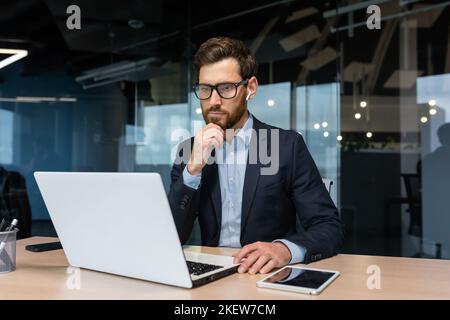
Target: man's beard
[228, 120]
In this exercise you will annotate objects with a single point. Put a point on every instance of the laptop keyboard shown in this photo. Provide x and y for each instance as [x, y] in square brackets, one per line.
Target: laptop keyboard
[197, 268]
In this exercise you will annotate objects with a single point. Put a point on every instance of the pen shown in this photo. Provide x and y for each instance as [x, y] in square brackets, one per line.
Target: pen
[13, 224]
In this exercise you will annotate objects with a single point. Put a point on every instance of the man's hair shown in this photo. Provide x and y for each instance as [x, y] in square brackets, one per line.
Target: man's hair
[219, 48]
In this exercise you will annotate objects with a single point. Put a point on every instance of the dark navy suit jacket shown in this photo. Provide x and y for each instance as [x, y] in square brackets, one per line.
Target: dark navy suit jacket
[292, 204]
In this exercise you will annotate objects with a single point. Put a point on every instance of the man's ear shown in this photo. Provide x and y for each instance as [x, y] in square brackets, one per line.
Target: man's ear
[252, 86]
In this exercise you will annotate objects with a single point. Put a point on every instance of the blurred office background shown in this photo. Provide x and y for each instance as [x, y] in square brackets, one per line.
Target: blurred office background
[373, 105]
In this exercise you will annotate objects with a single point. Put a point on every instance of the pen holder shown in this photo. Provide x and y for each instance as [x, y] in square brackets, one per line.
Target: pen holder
[8, 251]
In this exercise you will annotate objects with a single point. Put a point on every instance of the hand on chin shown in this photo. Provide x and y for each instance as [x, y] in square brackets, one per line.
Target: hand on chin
[219, 120]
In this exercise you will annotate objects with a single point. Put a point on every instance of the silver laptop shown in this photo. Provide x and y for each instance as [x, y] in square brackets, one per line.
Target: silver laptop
[121, 223]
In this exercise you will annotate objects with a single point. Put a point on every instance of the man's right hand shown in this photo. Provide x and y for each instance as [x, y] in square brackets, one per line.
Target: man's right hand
[210, 137]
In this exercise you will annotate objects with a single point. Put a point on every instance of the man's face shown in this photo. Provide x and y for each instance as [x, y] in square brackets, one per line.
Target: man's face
[223, 112]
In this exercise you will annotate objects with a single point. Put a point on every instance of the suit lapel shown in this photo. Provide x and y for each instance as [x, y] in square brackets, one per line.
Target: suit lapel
[252, 173]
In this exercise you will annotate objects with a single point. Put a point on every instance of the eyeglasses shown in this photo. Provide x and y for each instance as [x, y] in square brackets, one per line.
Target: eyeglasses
[226, 90]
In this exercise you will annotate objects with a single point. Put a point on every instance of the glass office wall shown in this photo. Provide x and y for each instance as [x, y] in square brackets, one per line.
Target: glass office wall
[393, 88]
[115, 95]
[87, 99]
[433, 94]
[318, 120]
[272, 104]
[6, 136]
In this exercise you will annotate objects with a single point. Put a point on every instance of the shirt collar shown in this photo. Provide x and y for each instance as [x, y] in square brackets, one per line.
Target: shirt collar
[245, 133]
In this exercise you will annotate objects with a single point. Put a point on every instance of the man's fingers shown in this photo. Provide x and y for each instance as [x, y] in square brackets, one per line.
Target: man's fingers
[261, 262]
[213, 133]
[213, 125]
[206, 141]
[260, 257]
[213, 129]
[248, 263]
[213, 142]
[244, 252]
[268, 267]
[239, 255]
[211, 136]
[208, 130]
[210, 144]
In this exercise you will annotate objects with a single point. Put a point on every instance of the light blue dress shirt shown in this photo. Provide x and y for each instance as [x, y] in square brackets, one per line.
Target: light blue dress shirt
[232, 162]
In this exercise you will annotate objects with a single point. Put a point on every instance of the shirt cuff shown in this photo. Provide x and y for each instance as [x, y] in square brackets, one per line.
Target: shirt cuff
[297, 252]
[190, 180]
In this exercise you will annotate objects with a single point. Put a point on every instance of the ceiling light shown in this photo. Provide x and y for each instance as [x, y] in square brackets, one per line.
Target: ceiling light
[35, 99]
[432, 111]
[432, 103]
[119, 71]
[357, 115]
[423, 119]
[136, 24]
[67, 99]
[16, 54]
[30, 99]
[363, 104]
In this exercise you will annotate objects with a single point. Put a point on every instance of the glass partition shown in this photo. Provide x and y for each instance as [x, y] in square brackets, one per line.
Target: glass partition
[371, 103]
[318, 120]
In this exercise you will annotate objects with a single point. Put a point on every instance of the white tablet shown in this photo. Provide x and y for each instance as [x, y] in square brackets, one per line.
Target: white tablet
[299, 279]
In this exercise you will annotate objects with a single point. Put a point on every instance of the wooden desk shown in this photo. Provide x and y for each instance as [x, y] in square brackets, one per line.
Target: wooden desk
[44, 276]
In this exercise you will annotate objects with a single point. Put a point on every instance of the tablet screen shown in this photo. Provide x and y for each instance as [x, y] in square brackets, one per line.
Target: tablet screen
[300, 277]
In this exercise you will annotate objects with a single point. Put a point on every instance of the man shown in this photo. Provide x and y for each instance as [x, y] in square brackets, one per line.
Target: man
[238, 204]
